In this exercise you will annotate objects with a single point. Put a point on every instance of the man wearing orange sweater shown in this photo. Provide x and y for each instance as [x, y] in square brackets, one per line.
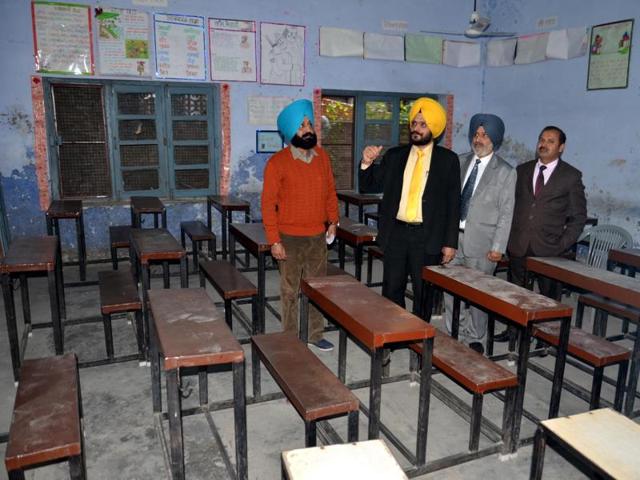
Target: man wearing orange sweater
[298, 201]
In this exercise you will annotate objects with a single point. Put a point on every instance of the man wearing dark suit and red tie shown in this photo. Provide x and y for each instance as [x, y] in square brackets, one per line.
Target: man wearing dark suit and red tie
[420, 208]
[550, 209]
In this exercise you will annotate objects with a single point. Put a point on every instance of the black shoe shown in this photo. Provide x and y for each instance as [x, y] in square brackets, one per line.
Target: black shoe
[477, 346]
[543, 348]
[502, 337]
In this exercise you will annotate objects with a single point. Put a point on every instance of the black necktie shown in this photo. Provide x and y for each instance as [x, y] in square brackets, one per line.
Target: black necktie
[467, 191]
[539, 181]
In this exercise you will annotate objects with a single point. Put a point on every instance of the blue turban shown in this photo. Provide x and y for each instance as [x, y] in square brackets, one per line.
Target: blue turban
[493, 125]
[292, 116]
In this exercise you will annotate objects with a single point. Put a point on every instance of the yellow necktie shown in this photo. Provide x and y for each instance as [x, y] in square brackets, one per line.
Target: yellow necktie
[415, 187]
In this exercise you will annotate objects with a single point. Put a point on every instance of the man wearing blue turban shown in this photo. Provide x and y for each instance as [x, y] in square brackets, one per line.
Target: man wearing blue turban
[486, 210]
[300, 213]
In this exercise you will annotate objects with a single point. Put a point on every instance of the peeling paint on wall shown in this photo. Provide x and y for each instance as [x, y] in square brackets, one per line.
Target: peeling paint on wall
[247, 179]
[515, 152]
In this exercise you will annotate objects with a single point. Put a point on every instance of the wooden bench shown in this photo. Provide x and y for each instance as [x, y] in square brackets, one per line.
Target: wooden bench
[594, 351]
[118, 238]
[313, 390]
[602, 443]
[605, 307]
[46, 423]
[476, 374]
[119, 294]
[198, 233]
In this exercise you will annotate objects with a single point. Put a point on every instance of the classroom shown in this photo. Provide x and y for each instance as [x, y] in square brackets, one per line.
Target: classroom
[159, 157]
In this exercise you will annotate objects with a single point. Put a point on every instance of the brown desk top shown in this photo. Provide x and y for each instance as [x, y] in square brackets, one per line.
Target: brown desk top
[627, 256]
[65, 209]
[227, 202]
[191, 330]
[46, 422]
[147, 205]
[355, 233]
[155, 244]
[251, 236]
[495, 294]
[371, 318]
[612, 285]
[357, 198]
[31, 254]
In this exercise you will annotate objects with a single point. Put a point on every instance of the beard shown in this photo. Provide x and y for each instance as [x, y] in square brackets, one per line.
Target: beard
[420, 140]
[481, 150]
[305, 142]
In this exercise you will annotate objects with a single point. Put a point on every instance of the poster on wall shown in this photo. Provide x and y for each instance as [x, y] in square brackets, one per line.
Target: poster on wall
[62, 38]
[232, 45]
[263, 110]
[609, 54]
[281, 54]
[179, 45]
[123, 42]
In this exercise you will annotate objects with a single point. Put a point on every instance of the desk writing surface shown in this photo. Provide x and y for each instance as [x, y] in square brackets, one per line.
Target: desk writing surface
[65, 209]
[228, 202]
[612, 285]
[30, 254]
[373, 319]
[607, 438]
[495, 294]
[356, 232]
[250, 235]
[156, 244]
[627, 256]
[147, 204]
[359, 198]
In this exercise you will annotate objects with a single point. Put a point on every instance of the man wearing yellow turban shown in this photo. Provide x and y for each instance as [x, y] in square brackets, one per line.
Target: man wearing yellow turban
[420, 208]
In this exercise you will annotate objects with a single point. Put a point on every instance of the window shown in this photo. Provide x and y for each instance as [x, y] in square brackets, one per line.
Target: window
[353, 120]
[117, 139]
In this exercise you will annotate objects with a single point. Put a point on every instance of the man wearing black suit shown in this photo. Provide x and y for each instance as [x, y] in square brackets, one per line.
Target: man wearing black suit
[550, 209]
[420, 208]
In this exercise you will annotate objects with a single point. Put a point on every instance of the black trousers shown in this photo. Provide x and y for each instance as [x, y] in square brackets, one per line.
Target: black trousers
[405, 255]
[548, 288]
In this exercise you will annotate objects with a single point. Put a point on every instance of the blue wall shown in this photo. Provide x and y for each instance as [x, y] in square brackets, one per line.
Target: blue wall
[16, 136]
[601, 126]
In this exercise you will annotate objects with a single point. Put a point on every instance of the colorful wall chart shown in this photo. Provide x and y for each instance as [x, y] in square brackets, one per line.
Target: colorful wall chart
[232, 45]
[179, 45]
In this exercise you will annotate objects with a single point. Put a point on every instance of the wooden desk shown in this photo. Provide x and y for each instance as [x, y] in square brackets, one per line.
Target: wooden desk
[189, 331]
[370, 460]
[356, 235]
[358, 199]
[628, 258]
[252, 237]
[69, 209]
[147, 205]
[226, 205]
[605, 442]
[607, 284]
[521, 307]
[374, 322]
[28, 256]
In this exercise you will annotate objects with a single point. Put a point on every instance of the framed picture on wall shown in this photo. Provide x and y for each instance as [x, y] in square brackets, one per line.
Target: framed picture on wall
[609, 54]
[268, 141]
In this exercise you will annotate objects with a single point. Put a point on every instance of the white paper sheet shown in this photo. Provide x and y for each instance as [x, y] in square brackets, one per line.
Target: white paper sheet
[341, 42]
[263, 110]
[281, 54]
[383, 47]
[500, 53]
[461, 54]
[532, 48]
[568, 43]
[232, 48]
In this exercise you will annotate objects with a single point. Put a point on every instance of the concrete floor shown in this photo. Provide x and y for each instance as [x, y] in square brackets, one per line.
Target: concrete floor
[122, 440]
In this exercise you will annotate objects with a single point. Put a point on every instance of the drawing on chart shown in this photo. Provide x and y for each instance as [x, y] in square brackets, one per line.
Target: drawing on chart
[282, 54]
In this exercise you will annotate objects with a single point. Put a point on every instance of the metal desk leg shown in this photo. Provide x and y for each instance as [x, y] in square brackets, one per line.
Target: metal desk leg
[175, 423]
[375, 393]
[341, 253]
[455, 317]
[358, 260]
[146, 285]
[164, 218]
[184, 272]
[24, 295]
[82, 248]
[240, 417]
[257, 329]
[156, 224]
[156, 396]
[558, 373]
[360, 213]
[58, 333]
[232, 250]
[262, 302]
[523, 359]
[209, 219]
[427, 303]
[60, 286]
[346, 208]
[424, 401]
[247, 259]
[342, 355]
[633, 377]
[12, 328]
[225, 236]
[537, 460]
[49, 225]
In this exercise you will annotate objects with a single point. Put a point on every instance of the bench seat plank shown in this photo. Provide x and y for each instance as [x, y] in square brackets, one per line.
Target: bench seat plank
[312, 388]
[612, 307]
[466, 366]
[197, 230]
[191, 331]
[227, 280]
[46, 416]
[590, 348]
[118, 292]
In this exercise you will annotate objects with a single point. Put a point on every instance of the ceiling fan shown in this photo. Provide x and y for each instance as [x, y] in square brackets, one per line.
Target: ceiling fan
[478, 25]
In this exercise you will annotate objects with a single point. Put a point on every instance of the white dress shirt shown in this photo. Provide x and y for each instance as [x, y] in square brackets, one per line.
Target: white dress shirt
[484, 161]
[546, 173]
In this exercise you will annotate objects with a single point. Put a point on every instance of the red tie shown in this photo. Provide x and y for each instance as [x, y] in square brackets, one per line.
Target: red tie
[539, 181]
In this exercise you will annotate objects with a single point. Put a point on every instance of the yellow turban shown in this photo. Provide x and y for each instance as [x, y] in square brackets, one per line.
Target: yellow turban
[433, 113]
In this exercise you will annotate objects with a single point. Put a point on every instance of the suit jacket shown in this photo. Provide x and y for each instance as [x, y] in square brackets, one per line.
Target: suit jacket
[550, 224]
[440, 200]
[490, 209]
